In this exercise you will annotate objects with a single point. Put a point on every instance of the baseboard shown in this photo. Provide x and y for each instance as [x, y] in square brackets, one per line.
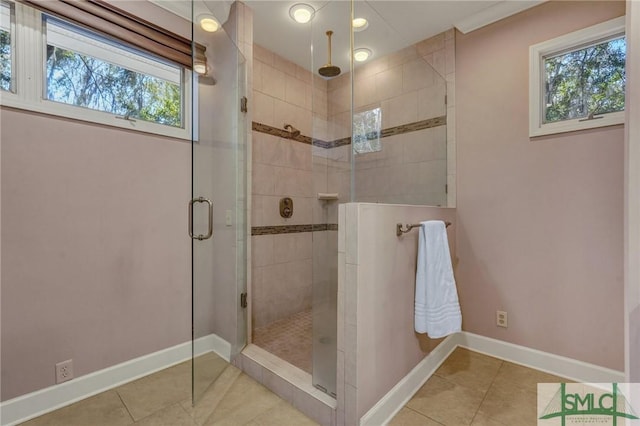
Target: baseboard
[400, 394]
[569, 368]
[40, 402]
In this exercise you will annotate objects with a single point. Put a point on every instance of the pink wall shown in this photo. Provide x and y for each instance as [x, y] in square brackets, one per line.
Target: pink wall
[377, 345]
[632, 193]
[540, 230]
[96, 257]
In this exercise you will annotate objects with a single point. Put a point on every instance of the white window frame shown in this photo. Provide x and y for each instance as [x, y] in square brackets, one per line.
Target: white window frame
[572, 41]
[29, 73]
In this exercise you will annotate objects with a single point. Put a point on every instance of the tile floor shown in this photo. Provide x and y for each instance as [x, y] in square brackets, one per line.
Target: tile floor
[474, 389]
[290, 339]
[468, 389]
[164, 399]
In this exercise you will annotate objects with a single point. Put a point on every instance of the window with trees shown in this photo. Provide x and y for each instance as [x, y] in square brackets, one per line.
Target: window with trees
[6, 50]
[79, 73]
[366, 131]
[577, 81]
[122, 81]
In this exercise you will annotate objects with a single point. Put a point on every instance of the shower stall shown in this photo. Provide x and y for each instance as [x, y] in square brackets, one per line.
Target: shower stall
[369, 132]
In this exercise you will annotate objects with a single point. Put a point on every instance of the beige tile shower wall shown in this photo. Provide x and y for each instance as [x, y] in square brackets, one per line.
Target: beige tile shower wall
[282, 94]
[440, 52]
[282, 266]
[409, 85]
[285, 93]
[412, 167]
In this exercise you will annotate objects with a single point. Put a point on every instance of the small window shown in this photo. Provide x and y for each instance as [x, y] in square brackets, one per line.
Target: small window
[90, 71]
[366, 131]
[578, 80]
[6, 47]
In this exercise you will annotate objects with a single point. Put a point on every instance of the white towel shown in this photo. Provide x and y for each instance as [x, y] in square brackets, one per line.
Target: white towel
[437, 311]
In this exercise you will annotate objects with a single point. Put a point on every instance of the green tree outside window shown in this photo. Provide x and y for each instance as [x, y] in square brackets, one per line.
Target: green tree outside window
[585, 82]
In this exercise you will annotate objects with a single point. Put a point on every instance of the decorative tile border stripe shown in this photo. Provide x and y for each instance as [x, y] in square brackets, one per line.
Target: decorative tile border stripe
[391, 131]
[339, 142]
[281, 133]
[293, 229]
[415, 126]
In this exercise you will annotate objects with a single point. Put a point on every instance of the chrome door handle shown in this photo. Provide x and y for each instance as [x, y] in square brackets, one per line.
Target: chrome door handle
[210, 232]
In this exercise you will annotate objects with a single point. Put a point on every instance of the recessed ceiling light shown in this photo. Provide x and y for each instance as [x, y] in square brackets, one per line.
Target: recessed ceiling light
[360, 24]
[208, 23]
[302, 13]
[361, 54]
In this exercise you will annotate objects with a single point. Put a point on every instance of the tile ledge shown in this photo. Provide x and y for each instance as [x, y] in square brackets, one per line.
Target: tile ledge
[292, 374]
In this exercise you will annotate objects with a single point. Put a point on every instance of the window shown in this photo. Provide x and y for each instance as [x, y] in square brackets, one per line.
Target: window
[123, 82]
[80, 74]
[366, 131]
[577, 81]
[6, 47]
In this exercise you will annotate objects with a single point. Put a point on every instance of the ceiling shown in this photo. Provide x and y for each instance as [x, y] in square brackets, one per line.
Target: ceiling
[393, 24]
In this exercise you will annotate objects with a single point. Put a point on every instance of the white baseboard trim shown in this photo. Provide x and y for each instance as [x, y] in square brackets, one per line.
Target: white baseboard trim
[400, 394]
[544, 361]
[34, 404]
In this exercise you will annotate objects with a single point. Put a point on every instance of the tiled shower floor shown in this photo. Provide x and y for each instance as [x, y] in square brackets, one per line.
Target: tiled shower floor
[290, 339]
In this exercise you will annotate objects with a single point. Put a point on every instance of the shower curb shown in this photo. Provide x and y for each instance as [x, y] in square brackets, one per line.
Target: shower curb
[288, 382]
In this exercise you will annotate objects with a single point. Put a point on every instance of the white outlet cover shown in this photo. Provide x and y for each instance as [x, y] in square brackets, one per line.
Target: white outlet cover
[64, 371]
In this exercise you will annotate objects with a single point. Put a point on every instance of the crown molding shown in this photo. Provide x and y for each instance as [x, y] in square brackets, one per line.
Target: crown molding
[494, 13]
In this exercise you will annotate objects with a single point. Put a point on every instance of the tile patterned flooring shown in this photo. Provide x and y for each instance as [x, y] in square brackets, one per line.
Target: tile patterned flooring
[164, 399]
[290, 339]
[468, 389]
[474, 389]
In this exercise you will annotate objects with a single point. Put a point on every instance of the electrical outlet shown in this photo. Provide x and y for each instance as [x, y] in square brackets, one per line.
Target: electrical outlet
[501, 319]
[64, 371]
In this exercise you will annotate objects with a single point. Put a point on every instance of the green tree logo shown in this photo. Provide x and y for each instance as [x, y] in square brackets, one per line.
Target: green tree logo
[566, 404]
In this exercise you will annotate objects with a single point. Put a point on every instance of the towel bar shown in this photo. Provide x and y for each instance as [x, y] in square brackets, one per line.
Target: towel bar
[408, 227]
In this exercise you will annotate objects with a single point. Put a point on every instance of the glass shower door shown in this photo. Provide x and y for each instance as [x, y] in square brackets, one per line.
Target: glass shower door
[218, 206]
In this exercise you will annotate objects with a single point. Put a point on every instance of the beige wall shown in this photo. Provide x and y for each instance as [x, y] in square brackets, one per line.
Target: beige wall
[96, 258]
[540, 230]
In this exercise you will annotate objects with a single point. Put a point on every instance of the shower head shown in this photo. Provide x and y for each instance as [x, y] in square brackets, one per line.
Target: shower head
[293, 132]
[329, 70]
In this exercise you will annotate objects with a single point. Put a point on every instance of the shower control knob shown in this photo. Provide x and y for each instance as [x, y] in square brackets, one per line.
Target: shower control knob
[286, 207]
